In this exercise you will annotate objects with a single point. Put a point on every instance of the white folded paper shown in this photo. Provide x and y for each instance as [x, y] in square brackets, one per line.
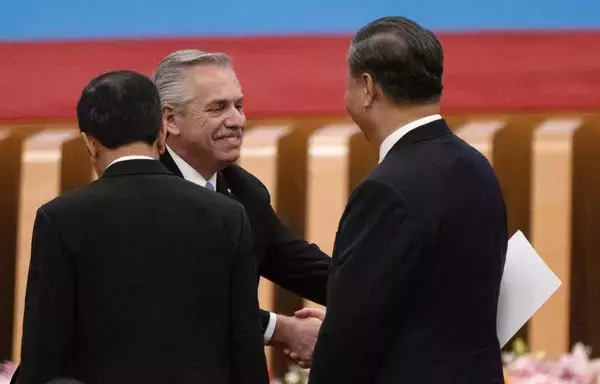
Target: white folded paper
[527, 283]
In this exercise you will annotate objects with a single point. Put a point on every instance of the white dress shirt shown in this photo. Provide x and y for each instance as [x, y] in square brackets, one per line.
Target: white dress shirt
[395, 136]
[131, 157]
[190, 174]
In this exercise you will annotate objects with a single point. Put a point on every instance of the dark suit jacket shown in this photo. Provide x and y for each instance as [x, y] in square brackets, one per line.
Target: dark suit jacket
[283, 258]
[140, 277]
[416, 270]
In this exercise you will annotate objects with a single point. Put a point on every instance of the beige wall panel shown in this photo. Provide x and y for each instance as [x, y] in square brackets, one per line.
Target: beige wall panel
[328, 181]
[10, 173]
[551, 228]
[40, 182]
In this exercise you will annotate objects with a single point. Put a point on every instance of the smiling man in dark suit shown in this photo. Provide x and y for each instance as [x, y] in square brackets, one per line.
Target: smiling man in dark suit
[139, 277]
[202, 105]
[420, 248]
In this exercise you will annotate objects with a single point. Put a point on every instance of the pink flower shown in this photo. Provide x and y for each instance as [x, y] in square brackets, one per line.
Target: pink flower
[572, 368]
[6, 371]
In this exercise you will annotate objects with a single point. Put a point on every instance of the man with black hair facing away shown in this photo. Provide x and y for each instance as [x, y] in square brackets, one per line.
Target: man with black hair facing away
[139, 277]
[420, 249]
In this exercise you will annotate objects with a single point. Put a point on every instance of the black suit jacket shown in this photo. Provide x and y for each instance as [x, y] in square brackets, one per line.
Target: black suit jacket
[283, 258]
[416, 270]
[139, 277]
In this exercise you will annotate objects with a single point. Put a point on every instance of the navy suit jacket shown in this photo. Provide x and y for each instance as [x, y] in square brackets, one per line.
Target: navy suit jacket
[417, 263]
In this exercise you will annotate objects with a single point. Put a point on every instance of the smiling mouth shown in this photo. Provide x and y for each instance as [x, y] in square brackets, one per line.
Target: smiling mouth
[234, 139]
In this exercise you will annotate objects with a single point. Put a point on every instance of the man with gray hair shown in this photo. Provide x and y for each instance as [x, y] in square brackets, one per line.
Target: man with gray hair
[202, 110]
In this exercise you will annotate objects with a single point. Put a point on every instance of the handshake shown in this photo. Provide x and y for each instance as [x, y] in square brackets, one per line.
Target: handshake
[297, 335]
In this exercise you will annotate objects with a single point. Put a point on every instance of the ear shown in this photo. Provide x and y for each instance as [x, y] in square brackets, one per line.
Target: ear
[90, 145]
[161, 139]
[369, 89]
[169, 120]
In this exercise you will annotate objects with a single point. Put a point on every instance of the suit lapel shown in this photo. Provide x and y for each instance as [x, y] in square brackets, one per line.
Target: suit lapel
[223, 186]
[168, 162]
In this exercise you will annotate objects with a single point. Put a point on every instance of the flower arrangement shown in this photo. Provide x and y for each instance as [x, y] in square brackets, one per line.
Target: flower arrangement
[522, 367]
[6, 371]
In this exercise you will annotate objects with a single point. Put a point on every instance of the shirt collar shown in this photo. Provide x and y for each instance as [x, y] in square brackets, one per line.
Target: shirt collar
[393, 138]
[131, 157]
[189, 173]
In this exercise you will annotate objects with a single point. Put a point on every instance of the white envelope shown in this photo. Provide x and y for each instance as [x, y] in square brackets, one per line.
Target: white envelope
[527, 283]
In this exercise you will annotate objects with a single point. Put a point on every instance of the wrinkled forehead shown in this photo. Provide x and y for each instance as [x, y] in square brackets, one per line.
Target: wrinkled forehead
[207, 83]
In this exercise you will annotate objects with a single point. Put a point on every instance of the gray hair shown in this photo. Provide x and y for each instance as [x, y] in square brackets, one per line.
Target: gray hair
[170, 74]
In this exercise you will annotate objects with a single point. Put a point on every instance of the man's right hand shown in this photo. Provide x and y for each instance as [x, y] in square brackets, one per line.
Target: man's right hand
[307, 312]
[297, 336]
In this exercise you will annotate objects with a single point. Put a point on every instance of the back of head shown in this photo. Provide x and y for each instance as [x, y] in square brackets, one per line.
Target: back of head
[403, 58]
[120, 108]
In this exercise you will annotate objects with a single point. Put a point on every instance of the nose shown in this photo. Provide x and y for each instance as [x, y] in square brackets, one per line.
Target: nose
[236, 119]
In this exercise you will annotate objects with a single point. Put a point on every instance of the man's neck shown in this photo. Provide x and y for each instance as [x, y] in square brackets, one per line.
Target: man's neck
[204, 167]
[398, 117]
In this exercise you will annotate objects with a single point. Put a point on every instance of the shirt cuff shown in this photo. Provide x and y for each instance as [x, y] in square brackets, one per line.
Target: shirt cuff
[270, 327]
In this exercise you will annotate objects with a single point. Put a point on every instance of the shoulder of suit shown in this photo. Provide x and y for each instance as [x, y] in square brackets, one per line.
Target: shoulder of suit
[68, 197]
[216, 204]
[180, 187]
[378, 186]
[376, 194]
[73, 200]
[66, 204]
[237, 176]
[234, 170]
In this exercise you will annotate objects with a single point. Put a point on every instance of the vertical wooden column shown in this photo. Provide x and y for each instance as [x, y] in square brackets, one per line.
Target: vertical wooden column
[293, 173]
[40, 182]
[328, 183]
[260, 157]
[513, 164]
[75, 165]
[10, 169]
[363, 158]
[585, 281]
[290, 201]
[551, 229]
[506, 142]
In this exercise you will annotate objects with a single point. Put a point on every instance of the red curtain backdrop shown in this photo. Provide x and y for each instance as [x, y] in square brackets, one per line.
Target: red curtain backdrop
[303, 76]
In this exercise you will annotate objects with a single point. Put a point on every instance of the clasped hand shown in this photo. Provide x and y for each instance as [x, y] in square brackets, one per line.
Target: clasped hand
[297, 335]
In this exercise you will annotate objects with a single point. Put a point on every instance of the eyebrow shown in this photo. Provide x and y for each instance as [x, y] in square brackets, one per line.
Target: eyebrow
[225, 101]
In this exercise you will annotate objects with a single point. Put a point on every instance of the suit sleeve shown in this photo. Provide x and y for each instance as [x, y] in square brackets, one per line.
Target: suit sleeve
[248, 364]
[49, 307]
[376, 245]
[294, 263]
